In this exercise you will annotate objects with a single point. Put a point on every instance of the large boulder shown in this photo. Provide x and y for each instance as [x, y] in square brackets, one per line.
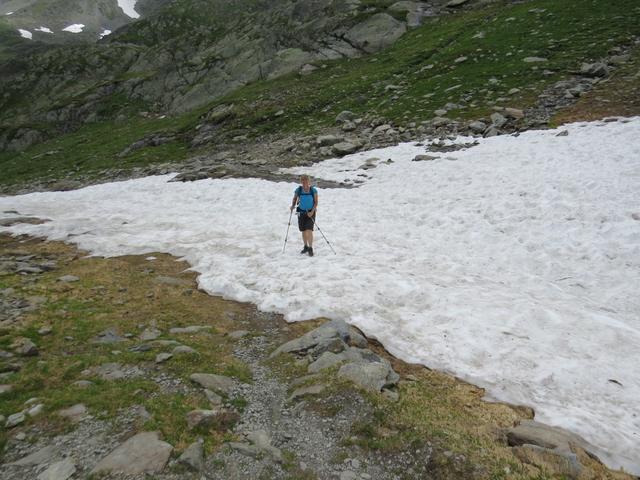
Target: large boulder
[377, 32]
[372, 376]
[142, 453]
[324, 334]
[214, 382]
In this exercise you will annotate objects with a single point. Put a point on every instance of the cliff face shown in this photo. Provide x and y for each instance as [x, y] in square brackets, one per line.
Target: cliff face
[179, 56]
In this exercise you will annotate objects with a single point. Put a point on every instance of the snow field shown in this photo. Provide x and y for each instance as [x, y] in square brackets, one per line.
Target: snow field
[514, 264]
[128, 7]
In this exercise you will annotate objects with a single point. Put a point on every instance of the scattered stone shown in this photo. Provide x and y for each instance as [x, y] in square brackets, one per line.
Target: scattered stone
[514, 113]
[61, 470]
[534, 59]
[477, 126]
[456, 3]
[498, 120]
[142, 453]
[328, 140]
[321, 335]
[440, 113]
[513, 91]
[163, 357]
[211, 381]
[492, 131]
[15, 420]
[348, 475]
[391, 395]
[261, 444]
[460, 59]
[440, 121]
[193, 456]
[74, 413]
[68, 279]
[535, 433]
[564, 133]
[114, 371]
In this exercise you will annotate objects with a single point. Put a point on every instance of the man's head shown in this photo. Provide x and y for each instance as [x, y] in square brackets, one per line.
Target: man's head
[305, 180]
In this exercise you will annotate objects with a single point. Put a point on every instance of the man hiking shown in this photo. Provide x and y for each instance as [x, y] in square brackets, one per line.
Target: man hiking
[306, 199]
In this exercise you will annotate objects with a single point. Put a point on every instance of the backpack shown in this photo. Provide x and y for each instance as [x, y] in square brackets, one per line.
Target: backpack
[312, 191]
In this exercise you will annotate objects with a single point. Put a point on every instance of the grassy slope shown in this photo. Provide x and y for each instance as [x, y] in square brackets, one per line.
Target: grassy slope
[566, 33]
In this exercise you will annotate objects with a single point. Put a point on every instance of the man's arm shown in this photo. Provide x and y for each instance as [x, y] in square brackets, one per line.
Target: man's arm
[294, 201]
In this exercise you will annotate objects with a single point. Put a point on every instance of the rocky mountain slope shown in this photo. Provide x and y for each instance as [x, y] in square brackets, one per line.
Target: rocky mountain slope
[200, 85]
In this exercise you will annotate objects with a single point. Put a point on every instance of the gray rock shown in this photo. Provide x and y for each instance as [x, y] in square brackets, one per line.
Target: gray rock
[323, 334]
[357, 339]
[513, 113]
[163, 357]
[564, 133]
[193, 456]
[371, 376]
[304, 391]
[535, 433]
[172, 281]
[555, 462]
[25, 347]
[477, 126]
[308, 69]
[348, 475]
[376, 32]
[45, 331]
[36, 410]
[184, 349]
[190, 329]
[142, 453]
[492, 131]
[456, 3]
[201, 418]
[345, 116]
[440, 121]
[75, 413]
[40, 457]
[82, 384]
[440, 113]
[424, 158]
[597, 69]
[5, 389]
[61, 470]
[15, 420]
[326, 360]
[328, 140]
[534, 60]
[214, 399]
[498, 120]
[68, 279]
[238, 334]
[150, 333]
[335, 346]
[214, 382]
[108, 336]
[115, 371]
[344, 148]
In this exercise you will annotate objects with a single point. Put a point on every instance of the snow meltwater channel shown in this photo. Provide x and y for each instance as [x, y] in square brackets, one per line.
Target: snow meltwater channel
[514, 264]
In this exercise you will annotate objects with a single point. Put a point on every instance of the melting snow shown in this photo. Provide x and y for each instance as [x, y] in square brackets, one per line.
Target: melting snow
[75, 28]
[514, 264]
[104, 33]
[9, 13]
[25, 34]
[43, 29]
[128, 7]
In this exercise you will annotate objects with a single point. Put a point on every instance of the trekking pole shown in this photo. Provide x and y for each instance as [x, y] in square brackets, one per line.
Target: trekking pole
[325, 238]
[287, 235]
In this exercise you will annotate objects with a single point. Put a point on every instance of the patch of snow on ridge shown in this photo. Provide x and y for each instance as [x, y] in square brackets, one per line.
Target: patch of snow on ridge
[75, 28]
[43, 29]
[513, 264]
[9, 13]
[105, 32]
[25, 34]
[128, 7]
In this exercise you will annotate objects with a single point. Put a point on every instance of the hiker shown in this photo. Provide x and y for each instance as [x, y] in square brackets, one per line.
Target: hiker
[306, 199]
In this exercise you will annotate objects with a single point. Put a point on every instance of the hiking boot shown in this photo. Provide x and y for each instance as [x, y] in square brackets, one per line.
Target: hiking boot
[310, 251]
[304, 250]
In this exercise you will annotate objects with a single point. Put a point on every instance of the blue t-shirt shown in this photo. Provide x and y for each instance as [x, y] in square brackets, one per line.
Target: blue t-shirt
[306, 198]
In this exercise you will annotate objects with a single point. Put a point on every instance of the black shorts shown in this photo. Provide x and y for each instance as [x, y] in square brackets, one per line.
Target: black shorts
[305, 222]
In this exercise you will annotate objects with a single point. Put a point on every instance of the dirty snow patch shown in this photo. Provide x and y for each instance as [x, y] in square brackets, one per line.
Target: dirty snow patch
[25, 34]
[104, 33]
[513, 264]
[128, 7]
[75, 28]
[43, 29]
